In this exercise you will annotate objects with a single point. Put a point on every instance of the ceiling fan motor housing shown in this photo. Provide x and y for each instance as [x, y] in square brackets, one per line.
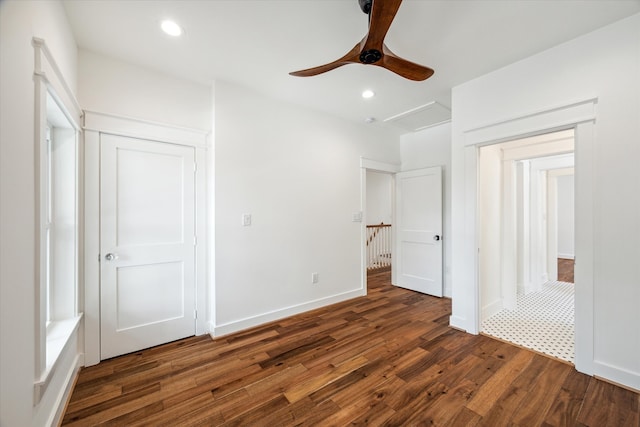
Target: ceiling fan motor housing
[371, 49]
[370, 56]
[365, 5]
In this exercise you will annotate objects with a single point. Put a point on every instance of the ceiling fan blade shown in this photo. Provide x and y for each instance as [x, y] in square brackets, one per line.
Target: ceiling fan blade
[350, 58]
[372, 50]
[402, 67]
[382, 14]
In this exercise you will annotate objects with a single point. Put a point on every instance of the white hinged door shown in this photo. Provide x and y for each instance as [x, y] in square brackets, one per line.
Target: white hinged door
[418, 262]
[147, 228]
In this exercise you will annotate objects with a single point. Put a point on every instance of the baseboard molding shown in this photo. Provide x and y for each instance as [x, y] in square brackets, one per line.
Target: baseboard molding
[525, 288]
[217, 331]
[62, 399]
[460, 323]
[618, 376]
[566, 256]
[491, 309]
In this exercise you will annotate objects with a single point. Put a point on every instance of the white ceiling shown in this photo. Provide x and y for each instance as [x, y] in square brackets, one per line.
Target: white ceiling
[256, 43]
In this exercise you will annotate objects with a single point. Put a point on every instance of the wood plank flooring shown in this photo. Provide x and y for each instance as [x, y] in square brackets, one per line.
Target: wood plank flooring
[565, 270]
[385, 359]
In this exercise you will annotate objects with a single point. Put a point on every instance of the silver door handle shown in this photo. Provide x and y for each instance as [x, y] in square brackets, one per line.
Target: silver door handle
[111, 257]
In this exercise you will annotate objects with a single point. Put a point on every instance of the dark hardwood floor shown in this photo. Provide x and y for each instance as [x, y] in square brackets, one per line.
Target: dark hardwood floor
[565, 270]
[385, 359]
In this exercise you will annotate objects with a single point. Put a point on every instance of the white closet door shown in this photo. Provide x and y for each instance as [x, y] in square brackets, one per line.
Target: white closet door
[147, 244]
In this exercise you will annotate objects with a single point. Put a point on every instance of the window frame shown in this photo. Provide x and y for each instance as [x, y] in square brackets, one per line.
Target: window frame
[54, 327]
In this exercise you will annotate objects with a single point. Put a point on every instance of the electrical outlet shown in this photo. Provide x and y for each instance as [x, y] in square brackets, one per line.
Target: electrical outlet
[246, 220]
[315, 277]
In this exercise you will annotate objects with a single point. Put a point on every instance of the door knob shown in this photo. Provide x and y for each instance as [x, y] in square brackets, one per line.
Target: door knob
[111, 257]
[436, 237]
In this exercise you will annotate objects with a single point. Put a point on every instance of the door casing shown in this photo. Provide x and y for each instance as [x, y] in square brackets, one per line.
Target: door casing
[94, 124]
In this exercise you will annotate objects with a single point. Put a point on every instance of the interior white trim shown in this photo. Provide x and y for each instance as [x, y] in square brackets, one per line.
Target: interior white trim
[617, 375]
[95, 124]
[376, 165]
[581, 116]
[144, 129]
[49, 80]
[531, 123]
[47, 68]
[64, 394]
[217, 331]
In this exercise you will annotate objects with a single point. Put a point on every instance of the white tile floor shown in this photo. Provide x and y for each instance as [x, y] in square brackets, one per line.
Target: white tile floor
[544, 321]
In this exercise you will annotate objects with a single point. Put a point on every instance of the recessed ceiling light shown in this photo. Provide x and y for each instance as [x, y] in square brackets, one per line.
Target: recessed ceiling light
[368, 94]
[171, 28]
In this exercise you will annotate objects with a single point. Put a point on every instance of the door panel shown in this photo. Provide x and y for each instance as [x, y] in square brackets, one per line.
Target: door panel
[147, 244]
[419, 230]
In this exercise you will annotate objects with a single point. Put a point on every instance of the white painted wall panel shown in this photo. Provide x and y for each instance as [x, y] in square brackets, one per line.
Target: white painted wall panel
[297, 173]
[490, 212]
[565, 216]
[108, 85]
[603, 64]
[379, 197]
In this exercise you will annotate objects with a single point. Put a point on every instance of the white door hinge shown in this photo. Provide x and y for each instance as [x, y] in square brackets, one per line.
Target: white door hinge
[195, 314]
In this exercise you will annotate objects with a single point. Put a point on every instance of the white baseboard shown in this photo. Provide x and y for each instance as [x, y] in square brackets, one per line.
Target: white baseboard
[616, 375]
[491, 309]
[566, 256]
[64, 394]
[461, 324]
[217, 331]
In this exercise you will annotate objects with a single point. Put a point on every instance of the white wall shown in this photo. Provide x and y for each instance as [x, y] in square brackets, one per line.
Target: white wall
[565, 216]
[20, 21]
[379, 197]
[423, 149]
[298, 174]
[107, 85]
[490, 237]
[603, 64]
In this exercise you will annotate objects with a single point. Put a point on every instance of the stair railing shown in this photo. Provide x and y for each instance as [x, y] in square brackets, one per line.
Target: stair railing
[378, 246]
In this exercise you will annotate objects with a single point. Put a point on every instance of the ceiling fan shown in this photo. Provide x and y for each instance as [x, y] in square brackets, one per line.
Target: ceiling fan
[371, 50]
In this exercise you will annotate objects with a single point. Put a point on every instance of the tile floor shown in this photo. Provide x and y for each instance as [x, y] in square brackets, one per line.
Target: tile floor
[544, 321]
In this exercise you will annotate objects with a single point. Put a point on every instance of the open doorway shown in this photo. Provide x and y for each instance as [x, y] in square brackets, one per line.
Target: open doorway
[522, 186]
[565, 225]
[379, 217]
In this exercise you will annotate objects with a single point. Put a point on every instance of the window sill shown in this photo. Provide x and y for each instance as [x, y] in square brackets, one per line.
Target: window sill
[58, 335]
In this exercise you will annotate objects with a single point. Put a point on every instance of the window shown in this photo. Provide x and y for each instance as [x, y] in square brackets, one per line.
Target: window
[59, 230]
[56, 131]
[60, 222]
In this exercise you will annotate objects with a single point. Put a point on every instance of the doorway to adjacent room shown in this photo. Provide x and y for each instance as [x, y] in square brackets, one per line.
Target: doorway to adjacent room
[526, 232]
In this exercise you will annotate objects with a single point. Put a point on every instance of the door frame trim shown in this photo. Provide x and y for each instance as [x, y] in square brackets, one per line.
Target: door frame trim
[581, 116]
[96, 123]
[373, 166]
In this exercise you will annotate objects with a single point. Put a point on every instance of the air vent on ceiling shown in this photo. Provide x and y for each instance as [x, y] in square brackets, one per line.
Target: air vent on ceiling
[421, 117]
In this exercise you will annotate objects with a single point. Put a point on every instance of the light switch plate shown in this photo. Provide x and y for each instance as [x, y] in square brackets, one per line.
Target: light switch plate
[356, 217]
[246, 220]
